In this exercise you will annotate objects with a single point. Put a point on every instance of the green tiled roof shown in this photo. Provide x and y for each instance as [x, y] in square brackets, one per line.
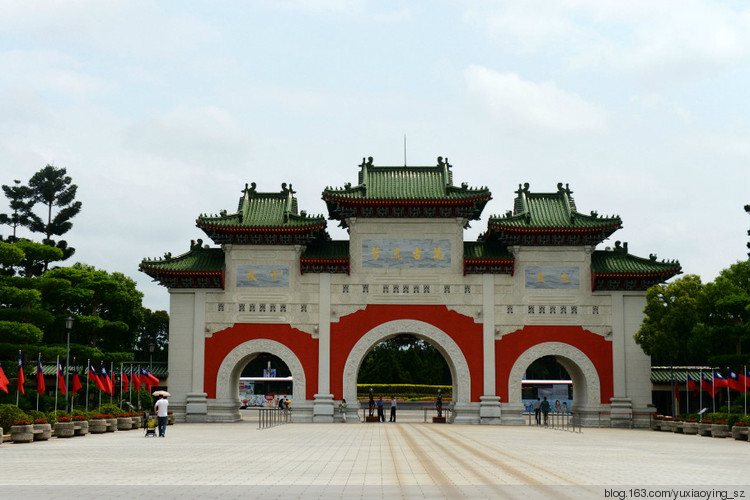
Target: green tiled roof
[201, 267]
[159, 369]
[665, 374]
[327, 250]
[395, 191]
[619, 261]
[486, 250]
[261, 213]
[618, 270]
[537, 216]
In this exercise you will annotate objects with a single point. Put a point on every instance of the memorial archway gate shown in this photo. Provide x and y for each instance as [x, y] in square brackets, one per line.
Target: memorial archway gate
[533, 285]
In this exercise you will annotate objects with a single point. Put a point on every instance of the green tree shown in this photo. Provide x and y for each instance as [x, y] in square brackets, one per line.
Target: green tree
[395, 361]
[153, 331]
[673, 311]
[21, 205]
[51, 187]
[107, 307]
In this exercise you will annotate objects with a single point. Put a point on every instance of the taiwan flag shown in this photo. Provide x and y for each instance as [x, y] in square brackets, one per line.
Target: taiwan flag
[94, 377]
[21, 379]
[61, 379]
[3, 380]
[39, 376]
[719, 381]
[707, 386]
[152, 380]
[692, 385]
[124, 378]
[106, 382]
[76, 380]
[136, 379]
[144, 379]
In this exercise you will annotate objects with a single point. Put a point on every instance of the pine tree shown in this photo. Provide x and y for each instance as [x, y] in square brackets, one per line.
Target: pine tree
[51, 187]
[21, 204]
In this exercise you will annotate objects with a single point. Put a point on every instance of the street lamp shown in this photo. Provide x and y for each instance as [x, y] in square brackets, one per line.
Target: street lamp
[68, 326]
[150, 356]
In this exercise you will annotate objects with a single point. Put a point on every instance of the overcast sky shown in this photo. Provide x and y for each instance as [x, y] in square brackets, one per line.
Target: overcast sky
[161, 111]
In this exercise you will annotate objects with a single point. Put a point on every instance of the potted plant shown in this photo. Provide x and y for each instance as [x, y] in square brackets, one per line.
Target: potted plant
[656, 422]
[22, 431]
[124, 422]
[98, 424]
[704, 428]
[678, 425]
[690, 426]
[667, 424]
[719, 429]
[170, 418]
[137, 419]
[64, 427]
[42, 430]
[740, 431]
[80, 425]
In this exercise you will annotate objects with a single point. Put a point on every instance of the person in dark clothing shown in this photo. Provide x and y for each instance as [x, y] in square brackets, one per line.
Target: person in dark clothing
[393, 408]
[381, 410]
[545, 410]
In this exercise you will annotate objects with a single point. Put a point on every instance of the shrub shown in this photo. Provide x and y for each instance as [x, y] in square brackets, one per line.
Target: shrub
[64, 419]
[9, 414]
[40, 420]
[78, 418]
[110, 409]
[22, 421]
[36, 415]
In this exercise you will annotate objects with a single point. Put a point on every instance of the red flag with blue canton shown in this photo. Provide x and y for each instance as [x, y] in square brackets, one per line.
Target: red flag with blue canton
[61, 380]
[719, 381]
[692, 385]
[39, 376]
[106, 382]
[136, 379]
[144, 379]
[94, 377]
[3, 380]
[76, 380]
[707, 386]
[734, 381]
[21, 379]
[124, 378]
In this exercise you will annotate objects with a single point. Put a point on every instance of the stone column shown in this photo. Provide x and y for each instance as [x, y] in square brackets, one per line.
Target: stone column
[196, 407]
[323, 400]
[621, 406]
[489, 404]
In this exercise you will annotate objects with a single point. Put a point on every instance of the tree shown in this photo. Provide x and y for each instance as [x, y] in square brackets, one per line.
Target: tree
[107, 307]
[51, 187]
[672, 312]
[21, 204]
[153, 331]
[412, 362]
[727, 318]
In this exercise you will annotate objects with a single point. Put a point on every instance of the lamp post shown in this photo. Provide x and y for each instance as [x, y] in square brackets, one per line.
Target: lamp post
[68, 327]
[150, 356]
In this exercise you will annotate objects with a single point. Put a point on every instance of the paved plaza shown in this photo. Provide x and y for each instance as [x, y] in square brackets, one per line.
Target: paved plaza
[408, 459]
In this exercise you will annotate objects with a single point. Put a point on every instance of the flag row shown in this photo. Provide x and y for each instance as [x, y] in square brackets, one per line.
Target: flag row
[103, 380]
[735, 381]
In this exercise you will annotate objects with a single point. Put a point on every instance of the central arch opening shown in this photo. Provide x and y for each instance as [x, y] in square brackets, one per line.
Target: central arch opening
[264, 380]
[547, 378]
[409, 370]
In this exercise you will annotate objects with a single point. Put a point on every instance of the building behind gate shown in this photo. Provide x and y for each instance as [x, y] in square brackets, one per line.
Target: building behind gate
[532, 285]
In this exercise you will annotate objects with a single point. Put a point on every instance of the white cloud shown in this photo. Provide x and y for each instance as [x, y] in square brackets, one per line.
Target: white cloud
[510, 99]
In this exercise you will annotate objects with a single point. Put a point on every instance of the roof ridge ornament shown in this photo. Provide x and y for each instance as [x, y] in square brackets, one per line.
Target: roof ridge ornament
[565, 190]
[250, 190]
[621, 247]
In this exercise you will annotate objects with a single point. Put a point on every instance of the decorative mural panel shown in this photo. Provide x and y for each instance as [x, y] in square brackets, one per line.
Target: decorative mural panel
[553, 277]
[406, 253]
[262, 276]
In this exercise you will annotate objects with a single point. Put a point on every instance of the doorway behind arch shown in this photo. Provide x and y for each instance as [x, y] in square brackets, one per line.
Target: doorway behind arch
[263, 380]
[408, 368]
[547, 378]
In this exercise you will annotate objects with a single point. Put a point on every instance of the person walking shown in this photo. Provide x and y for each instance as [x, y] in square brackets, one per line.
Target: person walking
[545, 409]
[538, 411]
[393, 408]
[342, 410]
[381, 410]
[160, 408]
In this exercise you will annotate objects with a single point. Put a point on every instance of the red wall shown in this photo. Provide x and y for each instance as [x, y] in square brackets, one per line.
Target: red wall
[510, 347]
[462, 329]
[221, 343]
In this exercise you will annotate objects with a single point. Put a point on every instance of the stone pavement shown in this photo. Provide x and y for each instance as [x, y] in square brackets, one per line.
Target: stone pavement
[403, 460]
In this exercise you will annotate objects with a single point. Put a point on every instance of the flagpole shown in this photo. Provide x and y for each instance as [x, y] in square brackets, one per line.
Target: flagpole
[88, 372]
[700, 397]
[121, 369]
[729, 397]
[713, 391]
[130, 387]
[671, 369]
[745, 388]
[112, 375]
[687, 393]
[38, 362]
[57, 380]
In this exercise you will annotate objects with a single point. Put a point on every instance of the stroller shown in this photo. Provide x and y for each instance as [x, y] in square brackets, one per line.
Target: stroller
[149, 423]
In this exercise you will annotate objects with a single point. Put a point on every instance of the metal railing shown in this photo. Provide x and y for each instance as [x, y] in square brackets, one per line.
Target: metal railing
[562, 421]
[605, 418]
[271, 417]
[446, 413]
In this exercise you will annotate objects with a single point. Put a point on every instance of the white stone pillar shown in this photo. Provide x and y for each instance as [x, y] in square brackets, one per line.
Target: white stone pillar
[196, 409]
[323, 400]
[621, 406]
[489, 405]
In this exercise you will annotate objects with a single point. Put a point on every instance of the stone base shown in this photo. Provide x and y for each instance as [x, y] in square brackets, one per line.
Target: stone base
[438, 420]
[371, 419]
[323, 408]
[621, 413]
[42, 432]
[489, 410]
[64, 429]
[302, 411]
[124, 423]
[196, 408]
[512, 414]
[22, 433]
[464, 413]
[740, 432]
[222, 411]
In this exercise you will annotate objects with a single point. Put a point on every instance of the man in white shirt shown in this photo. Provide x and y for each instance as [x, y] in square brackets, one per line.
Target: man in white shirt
[161, 412]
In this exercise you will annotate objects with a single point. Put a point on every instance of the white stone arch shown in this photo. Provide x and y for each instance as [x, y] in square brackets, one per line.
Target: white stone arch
[439, 339]
[586, 384]
[228, 376]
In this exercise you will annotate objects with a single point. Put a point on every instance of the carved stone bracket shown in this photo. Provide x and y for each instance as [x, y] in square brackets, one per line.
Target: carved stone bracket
[442, 342]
